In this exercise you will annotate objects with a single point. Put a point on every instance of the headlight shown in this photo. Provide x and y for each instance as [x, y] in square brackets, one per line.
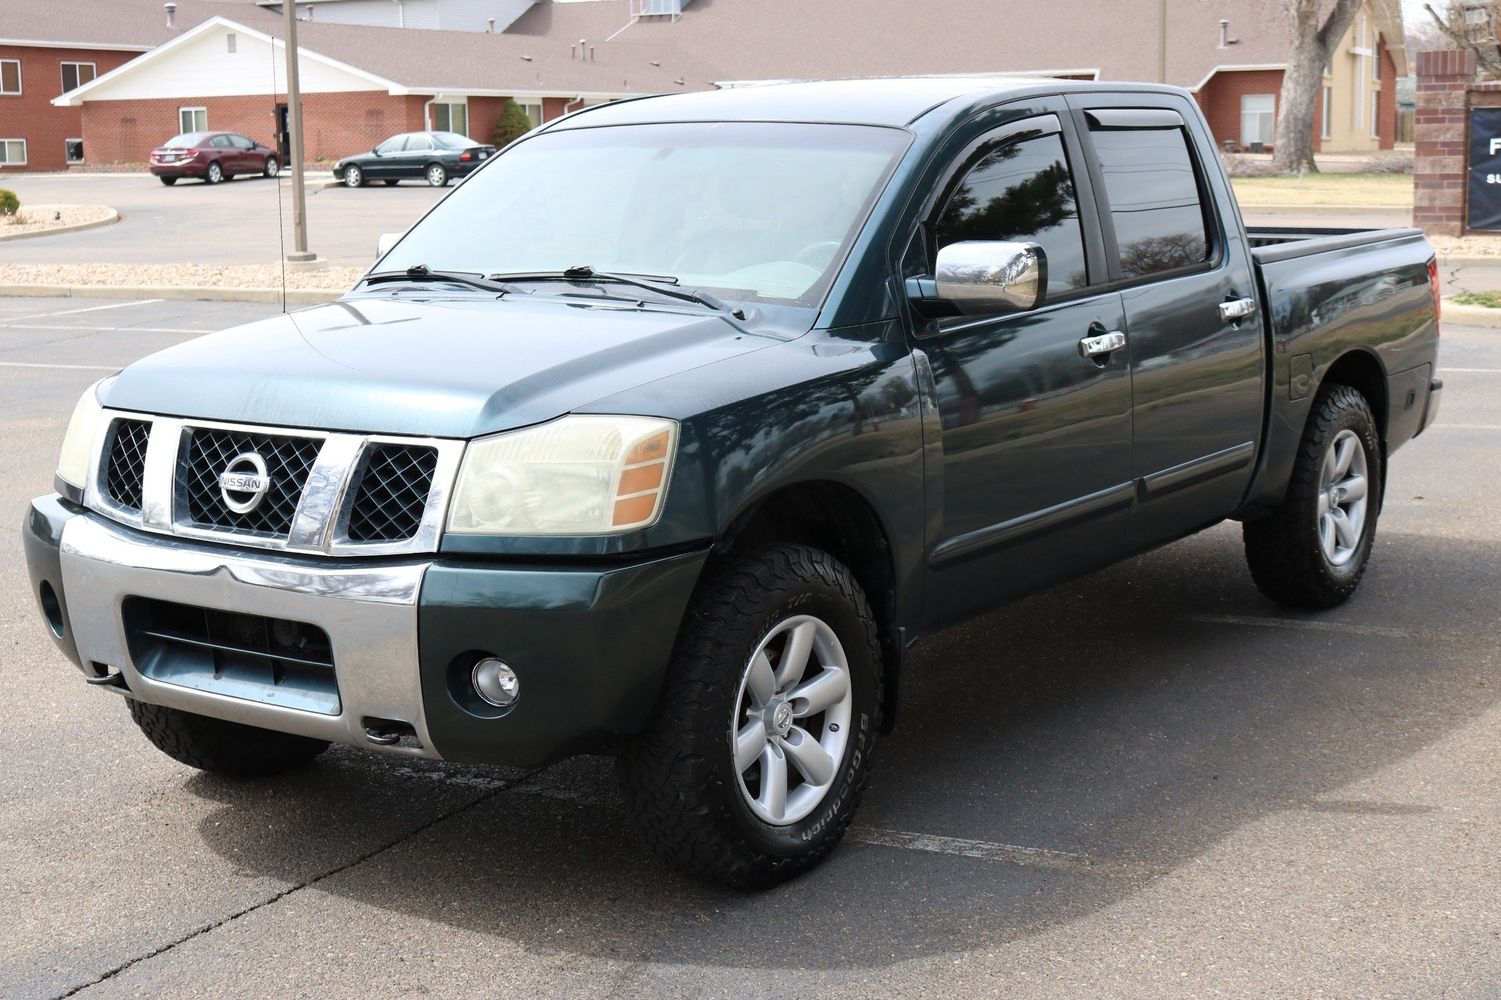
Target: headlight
[579, 475]
[78, 443]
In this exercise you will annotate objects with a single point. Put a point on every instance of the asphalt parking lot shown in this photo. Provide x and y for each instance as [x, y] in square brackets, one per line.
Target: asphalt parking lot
[244, 221]
[1149, 782]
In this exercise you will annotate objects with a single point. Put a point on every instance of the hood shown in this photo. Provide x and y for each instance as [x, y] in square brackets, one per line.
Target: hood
[455, 367]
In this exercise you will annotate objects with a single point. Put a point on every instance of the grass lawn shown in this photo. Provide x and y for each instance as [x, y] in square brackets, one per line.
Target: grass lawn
[1317, 190]
[1490, 300]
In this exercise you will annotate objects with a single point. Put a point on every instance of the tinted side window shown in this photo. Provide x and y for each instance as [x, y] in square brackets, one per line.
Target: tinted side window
[1154, 199]
[1021, 192]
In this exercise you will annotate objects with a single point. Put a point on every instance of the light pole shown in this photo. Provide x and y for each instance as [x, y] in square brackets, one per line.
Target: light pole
[1162, 41]
[300, 252]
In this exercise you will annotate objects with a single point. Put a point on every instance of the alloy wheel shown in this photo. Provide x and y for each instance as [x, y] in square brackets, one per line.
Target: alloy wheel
[790, 730]
[1343, 489]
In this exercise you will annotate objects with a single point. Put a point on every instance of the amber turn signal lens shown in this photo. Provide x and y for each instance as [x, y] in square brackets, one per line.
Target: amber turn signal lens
[652, 449]
[635, 509]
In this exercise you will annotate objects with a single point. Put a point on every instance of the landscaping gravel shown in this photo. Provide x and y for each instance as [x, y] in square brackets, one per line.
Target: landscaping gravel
[39, 218]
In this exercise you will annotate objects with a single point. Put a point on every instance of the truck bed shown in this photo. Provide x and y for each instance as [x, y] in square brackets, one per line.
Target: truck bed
[1278, 243]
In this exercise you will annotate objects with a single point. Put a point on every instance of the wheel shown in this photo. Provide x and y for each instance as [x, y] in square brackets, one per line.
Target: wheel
[353, 176]
[169, 181]
[437, 175]
[1312, 550]
[221, 747]
[215, 174]
[273, 166]
[391, 183]
[754, 763]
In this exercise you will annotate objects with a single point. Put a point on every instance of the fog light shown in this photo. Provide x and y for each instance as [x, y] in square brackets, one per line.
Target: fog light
[496, 683]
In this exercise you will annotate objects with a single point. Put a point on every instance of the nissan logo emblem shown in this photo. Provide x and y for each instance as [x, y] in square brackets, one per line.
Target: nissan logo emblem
[243, 483]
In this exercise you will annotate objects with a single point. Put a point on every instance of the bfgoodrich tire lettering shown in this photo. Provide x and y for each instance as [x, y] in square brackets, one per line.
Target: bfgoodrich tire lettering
[1290, 561]
[680, 778]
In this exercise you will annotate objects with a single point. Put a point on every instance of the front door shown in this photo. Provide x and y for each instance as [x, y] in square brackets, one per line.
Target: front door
[1035, 433]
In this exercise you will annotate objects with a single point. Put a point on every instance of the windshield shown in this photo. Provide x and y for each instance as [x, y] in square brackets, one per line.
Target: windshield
[749, 210]
[185, 141]
[452, 140]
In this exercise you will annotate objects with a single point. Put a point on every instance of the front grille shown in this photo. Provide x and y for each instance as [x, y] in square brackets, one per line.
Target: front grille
[208, 452]
[125, 472]
[392, 492]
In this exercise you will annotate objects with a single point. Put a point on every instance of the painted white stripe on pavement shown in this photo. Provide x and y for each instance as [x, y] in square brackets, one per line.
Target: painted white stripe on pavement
[1468, 427]
[985, 850]
[1470, 371]
[82, 368]
[1303, 623]
[105, 329]
[89, 309]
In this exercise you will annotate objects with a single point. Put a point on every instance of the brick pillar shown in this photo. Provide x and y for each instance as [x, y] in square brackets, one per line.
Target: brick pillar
[1444, 78]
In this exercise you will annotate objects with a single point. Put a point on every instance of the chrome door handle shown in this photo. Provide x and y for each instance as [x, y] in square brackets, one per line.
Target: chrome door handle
[1237, 309]
[1093, 347]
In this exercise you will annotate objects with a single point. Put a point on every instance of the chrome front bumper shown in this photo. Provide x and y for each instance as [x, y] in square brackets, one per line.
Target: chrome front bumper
[369, 611]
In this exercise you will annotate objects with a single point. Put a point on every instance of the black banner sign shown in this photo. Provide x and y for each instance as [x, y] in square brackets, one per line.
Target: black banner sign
[1485, 170]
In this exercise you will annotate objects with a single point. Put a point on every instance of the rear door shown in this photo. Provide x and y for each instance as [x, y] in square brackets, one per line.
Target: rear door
[1035, 435]
[417, 155]
[1187, 286]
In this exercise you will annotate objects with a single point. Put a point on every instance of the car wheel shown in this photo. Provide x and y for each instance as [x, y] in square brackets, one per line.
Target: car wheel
[753, 766]
[437, 175]
[1312, 550]
[169, 181]
[215, 173]
[220, 747]
[273, 166]
[353, 176]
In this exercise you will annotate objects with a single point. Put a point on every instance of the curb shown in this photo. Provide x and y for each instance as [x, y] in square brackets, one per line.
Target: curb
[1469, 260]
[76, 227]
[1471, 315]
[269, 296]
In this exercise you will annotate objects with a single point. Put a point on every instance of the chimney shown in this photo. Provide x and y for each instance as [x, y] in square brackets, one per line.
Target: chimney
[489, 25]
[171, 9]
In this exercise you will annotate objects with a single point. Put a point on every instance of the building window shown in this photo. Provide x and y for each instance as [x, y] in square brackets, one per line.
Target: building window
[12, 152]
[192, 119]
[10, 76]
[1257, 119]
[1328, 114]
[73, 150]
[76, 74]
[1376, 59]
[1375, 114]
[451, 118]
[231, 41]
[533, 112]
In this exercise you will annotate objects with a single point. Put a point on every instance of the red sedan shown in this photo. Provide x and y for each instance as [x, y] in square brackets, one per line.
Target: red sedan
[213, 157]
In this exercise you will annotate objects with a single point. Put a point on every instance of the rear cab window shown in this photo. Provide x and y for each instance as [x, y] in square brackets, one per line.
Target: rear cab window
[1153, 197]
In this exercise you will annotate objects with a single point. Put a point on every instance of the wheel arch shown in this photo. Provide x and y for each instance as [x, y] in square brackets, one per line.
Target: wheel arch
[1360, 369]
[836, 517]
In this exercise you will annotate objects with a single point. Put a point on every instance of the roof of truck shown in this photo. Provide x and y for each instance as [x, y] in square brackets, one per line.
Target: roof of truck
[892, 101]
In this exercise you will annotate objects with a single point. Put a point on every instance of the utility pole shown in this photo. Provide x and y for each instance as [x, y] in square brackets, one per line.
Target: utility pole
[300, 253]
[1162, 41]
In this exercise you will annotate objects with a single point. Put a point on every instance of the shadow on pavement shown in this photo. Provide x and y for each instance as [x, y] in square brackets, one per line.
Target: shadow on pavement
[1100, 718]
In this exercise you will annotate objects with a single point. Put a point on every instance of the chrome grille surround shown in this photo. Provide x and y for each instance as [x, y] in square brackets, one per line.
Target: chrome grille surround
[319, 523]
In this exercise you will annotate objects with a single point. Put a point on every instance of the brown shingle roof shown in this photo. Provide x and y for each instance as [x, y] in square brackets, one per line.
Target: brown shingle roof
[117, 23]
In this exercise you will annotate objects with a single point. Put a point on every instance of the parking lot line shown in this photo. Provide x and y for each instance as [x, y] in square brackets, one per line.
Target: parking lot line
[82, 368]
[1319, 625]
[105, 329]
[986, 850]
[1470, 371]
[88, 309]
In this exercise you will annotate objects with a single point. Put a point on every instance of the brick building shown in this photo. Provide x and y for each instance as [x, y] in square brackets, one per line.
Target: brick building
[216, 64]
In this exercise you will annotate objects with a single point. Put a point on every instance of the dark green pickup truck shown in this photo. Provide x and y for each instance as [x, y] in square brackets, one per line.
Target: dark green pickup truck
[669, 431]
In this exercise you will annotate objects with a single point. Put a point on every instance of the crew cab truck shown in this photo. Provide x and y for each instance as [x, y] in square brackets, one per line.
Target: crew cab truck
[669, 431]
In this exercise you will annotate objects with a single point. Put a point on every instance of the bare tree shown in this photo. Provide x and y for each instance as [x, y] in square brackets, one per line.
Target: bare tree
[1472, 24]
[1314, 36]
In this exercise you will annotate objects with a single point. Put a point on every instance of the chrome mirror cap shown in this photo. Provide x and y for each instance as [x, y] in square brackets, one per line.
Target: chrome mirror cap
[384, 244]
[987, 276]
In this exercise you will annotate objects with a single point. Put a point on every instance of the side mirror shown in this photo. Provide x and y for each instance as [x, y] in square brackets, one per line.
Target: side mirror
[385, 243]
[980, 277]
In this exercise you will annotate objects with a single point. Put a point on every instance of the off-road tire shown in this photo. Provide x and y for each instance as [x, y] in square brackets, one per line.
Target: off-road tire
[1282, 547]
[220, 747]
[679, 780]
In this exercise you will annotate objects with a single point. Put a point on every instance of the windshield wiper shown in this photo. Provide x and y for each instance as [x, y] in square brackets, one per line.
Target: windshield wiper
[421, 272]
[662, 286]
